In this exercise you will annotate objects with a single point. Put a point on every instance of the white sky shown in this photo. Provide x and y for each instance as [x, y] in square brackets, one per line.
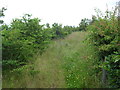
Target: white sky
[66, 12]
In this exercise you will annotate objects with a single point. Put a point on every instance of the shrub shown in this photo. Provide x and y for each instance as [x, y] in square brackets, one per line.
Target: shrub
[105, 35]
[21, 40]
[24, 37]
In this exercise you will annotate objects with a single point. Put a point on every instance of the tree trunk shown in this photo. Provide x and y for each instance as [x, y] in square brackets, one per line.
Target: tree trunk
[104, 77]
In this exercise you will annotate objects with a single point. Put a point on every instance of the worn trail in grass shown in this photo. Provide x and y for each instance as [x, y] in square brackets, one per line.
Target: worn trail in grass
[67, 63]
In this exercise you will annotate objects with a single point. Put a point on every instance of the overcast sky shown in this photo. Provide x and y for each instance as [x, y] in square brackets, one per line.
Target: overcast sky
[66, 12]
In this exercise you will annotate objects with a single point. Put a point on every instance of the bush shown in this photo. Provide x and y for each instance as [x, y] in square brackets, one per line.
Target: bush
[105, 35]
[25, 37]
[22, 39]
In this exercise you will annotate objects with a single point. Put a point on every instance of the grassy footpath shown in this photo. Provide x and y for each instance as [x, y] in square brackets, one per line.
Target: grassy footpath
[66, 63]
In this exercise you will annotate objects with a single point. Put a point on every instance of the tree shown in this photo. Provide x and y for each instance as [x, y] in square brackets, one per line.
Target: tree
[83, 24]
[57, 28]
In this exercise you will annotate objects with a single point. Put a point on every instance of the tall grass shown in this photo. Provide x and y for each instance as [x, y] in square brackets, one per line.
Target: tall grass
[79, 62]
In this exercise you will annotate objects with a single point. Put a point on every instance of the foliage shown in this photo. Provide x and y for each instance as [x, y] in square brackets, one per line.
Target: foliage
[83, 24]
[105, 35]
[113, 68]
[59, 31]
[24, 37]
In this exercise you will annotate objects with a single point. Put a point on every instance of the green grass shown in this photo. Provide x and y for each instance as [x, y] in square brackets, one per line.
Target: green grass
[67, 63]
[78, 58]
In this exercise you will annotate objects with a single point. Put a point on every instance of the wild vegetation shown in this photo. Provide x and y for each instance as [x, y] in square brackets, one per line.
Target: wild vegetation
[24, 37]
[105, 35]
[39, 56]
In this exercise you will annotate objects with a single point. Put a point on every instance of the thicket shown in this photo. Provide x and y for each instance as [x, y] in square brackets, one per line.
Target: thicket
[25, 37]
[105, 35]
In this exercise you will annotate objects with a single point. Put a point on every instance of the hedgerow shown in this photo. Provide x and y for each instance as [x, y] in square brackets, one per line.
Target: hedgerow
[25, 37]
[105, 35]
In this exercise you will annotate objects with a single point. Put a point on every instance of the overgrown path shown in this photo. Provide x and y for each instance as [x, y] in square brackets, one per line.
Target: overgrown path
[50, 63]
[66, 63]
